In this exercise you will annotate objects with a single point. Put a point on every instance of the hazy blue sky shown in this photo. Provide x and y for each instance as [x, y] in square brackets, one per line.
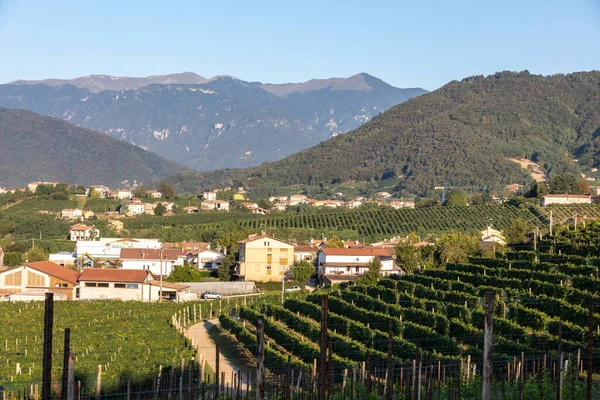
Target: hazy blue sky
[406, 43]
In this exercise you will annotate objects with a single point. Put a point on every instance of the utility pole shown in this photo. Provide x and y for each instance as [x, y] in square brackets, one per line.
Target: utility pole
[551, 222]
[575, 222]
[282, 288]
[66, 352]
[590, 350]
[47, 358]
[488, 340]
[559, 355]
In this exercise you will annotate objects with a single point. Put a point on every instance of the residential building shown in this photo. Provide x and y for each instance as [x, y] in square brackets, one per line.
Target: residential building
[150, 260]
[115, 225]
[87, 214]
[89, 252]
[402, 204]
[207, 259]
[123, 284]
[353, 262]
[42, 276]
[239, 196]
[63, 258]
[217, 205]
[514, 187]
[154, 194]
[211, 196]
[249, 206]
[493, 236]
[297, 199]
[101, 189]
[260, 211]
[81, 232]
[308, 253]
[278, 199]
[71, 213]
[124, 194]
[190, 209]
[1, 257]
[264, 258]
[566, 199]
[133, 207]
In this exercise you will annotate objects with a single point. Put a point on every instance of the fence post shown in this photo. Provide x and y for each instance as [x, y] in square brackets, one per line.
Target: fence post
[66, 352]
[260, 359]
[323, 347]
[390, 365]
[70, 394]
[217, 372]
[488, 340]
[47, 360]
[99, 382]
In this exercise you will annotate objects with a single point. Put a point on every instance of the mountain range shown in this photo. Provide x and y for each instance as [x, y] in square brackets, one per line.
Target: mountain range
[36, 147]
[468, 133]
[210, 123]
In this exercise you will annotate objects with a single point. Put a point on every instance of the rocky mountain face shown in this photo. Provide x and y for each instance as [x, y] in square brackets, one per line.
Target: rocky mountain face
[208, 124]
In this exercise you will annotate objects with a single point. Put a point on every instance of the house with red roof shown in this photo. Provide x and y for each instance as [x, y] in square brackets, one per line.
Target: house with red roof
[42, 276]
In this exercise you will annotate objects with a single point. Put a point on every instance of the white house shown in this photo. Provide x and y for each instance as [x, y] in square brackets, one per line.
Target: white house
[566, 199]
[124, 194]
[159, 262]
[491, 235]
[123, 284]
[219, 205]
[209, 196]
[307, 253]
[154, 194]
[71, 213]
[80, 232]
[353, 261]
[207, 259]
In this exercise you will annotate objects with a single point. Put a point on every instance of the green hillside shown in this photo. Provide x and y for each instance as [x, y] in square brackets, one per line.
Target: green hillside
[461, 134]
[36, 147]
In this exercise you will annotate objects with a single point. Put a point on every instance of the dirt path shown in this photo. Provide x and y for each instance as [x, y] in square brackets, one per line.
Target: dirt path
[229, 360]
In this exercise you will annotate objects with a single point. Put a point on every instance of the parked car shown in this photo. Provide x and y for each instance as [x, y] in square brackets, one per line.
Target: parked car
[211, 294]
[292, 289]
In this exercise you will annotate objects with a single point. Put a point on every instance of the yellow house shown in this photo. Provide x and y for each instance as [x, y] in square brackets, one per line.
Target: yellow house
[239, 196]
[264, 258]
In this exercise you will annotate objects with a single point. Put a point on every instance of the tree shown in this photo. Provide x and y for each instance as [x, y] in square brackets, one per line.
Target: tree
[335, 243]
[407, 255]
[584, 186]
[95, 194]
[13, 258]
[187, 273]
[226, 268]
[373, 273]
[139, 192]
[264, 203]
[167, 190]
[302, 270]
[456, 248]
[36, 254]
[160, 210]
[565, 184]
[517, 231]
[456, 198]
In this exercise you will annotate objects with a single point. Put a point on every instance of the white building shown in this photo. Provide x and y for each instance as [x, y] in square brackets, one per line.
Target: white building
[566, 199]
[158, 262]
[209, 196]
[42, 276]
[110, 248]
[63, 258]
[71, 213]
[124, 194]
[353, 261]
[123, 284]
[81, 232]
[207, 259]
[218, 205]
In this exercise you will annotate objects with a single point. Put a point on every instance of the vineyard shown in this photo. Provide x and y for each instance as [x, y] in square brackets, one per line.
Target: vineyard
[542, 303]
[372, 224]
[130, 340]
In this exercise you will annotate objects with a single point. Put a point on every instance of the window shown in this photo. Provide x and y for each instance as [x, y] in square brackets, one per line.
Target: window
[268, 267]
[90, 284]
[13, 279]
[102, 284]
[120, 286]
[62, 285]
[133, 285]
[356, 258]
[34, 279]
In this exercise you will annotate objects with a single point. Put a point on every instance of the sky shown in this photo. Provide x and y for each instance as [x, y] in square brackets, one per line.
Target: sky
[407, 43]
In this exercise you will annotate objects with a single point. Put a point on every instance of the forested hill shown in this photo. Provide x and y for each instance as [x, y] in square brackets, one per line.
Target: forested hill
[34, 147]
[461, 134]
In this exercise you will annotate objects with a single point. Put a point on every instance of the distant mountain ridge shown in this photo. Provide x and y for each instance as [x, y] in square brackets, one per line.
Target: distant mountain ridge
[207, 124]
[35, 147]
[463, 134]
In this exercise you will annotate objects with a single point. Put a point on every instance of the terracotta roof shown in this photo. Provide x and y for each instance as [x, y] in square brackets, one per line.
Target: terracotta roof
[127, 240]
[80, 227]
[114, 275]
[150, 254]
[306, 249]
[364, 251]
[55, 270]
[260, 237]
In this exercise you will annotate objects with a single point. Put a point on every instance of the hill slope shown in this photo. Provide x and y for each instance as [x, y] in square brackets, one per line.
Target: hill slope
[461, 134]
[36, 147]
[221, 122]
